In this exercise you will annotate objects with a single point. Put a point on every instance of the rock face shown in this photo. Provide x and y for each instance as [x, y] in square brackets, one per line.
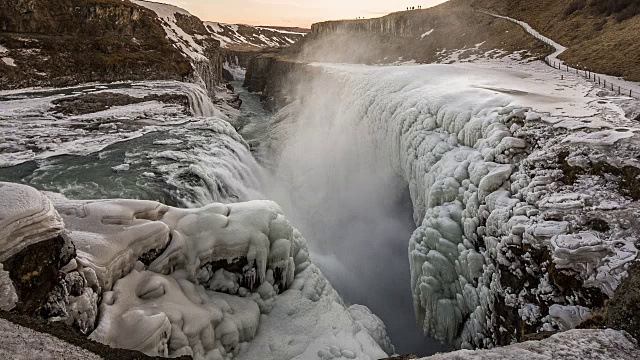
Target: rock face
[624, 309]
[66, 42]
[443, 33]
[39, 259]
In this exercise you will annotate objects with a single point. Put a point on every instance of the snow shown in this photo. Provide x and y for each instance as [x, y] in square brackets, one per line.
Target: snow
[559, 49]
[8, 295]
[176, 305]
[18, 342]
[281, 31]
[185, 42]
[574, 344]
[260, 37]
[426, 34]
[23, 118]
[9, 61]
[456, 134]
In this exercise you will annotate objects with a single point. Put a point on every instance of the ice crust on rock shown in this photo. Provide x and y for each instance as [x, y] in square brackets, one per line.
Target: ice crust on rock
[570, 345]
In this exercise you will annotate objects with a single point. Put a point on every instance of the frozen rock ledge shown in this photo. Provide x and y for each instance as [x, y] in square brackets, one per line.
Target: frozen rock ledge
[218, 282]
[573, 344]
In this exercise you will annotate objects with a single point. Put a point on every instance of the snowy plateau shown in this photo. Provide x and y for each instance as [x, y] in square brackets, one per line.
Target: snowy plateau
[171, 218]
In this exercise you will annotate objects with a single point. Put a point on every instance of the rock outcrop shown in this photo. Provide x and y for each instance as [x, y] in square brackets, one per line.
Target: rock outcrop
[66, 42]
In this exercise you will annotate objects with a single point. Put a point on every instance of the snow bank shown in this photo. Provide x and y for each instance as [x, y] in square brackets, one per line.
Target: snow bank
[185, 42]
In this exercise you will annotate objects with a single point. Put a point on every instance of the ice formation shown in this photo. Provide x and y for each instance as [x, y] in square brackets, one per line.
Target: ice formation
[199, 155]
[26, 217]
[469, 140]
[216, 282]
[184, 302]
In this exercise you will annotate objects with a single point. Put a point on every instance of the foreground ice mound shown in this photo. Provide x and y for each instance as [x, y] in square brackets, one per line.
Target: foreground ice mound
[217, 282]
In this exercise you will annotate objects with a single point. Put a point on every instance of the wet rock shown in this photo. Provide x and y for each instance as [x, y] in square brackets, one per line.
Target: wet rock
[624, 309]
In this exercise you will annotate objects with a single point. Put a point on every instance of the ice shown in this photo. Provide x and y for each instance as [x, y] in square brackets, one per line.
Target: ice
[24, 118]
[8, 296]
[460, 136]
[9, 61]
[573, 344]
[111, 236]
[569, 317]
[210, 282]
[26, 218]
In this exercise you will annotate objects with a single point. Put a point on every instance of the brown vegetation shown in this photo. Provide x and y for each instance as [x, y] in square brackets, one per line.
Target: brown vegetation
[602, 35]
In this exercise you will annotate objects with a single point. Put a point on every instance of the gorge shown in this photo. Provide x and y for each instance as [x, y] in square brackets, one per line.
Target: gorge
[467, 187]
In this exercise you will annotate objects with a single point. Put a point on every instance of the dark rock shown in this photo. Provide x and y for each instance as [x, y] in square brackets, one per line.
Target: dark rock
[226, 74]
[91, 103]
[35, 275]
[624, 309]
[67, 42]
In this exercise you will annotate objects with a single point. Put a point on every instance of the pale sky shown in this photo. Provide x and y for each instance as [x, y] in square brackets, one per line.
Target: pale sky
[292, 12]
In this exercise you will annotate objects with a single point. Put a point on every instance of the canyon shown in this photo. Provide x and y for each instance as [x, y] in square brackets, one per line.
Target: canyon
[426, 165]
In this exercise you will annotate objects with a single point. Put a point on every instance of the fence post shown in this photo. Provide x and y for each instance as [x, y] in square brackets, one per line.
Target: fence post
[605, 83]
[619, 92]
[630, 91]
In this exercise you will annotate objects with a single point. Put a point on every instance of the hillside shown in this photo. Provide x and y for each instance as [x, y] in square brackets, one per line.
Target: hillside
[443, 33]
[64, 42]
[246, 37]
[601, 35]
[68, 42]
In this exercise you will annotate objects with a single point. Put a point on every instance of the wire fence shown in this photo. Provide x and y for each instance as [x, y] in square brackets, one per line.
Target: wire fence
[596, 78]
[587, 74]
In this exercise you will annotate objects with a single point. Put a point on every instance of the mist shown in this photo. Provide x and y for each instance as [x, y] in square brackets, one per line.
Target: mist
[351, 206]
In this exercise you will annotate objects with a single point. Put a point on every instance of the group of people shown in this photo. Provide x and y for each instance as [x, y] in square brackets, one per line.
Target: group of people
[408, 8]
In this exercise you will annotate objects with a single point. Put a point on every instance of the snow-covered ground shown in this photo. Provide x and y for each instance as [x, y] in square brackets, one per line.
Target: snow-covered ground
[479, 146]
[559, 49]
